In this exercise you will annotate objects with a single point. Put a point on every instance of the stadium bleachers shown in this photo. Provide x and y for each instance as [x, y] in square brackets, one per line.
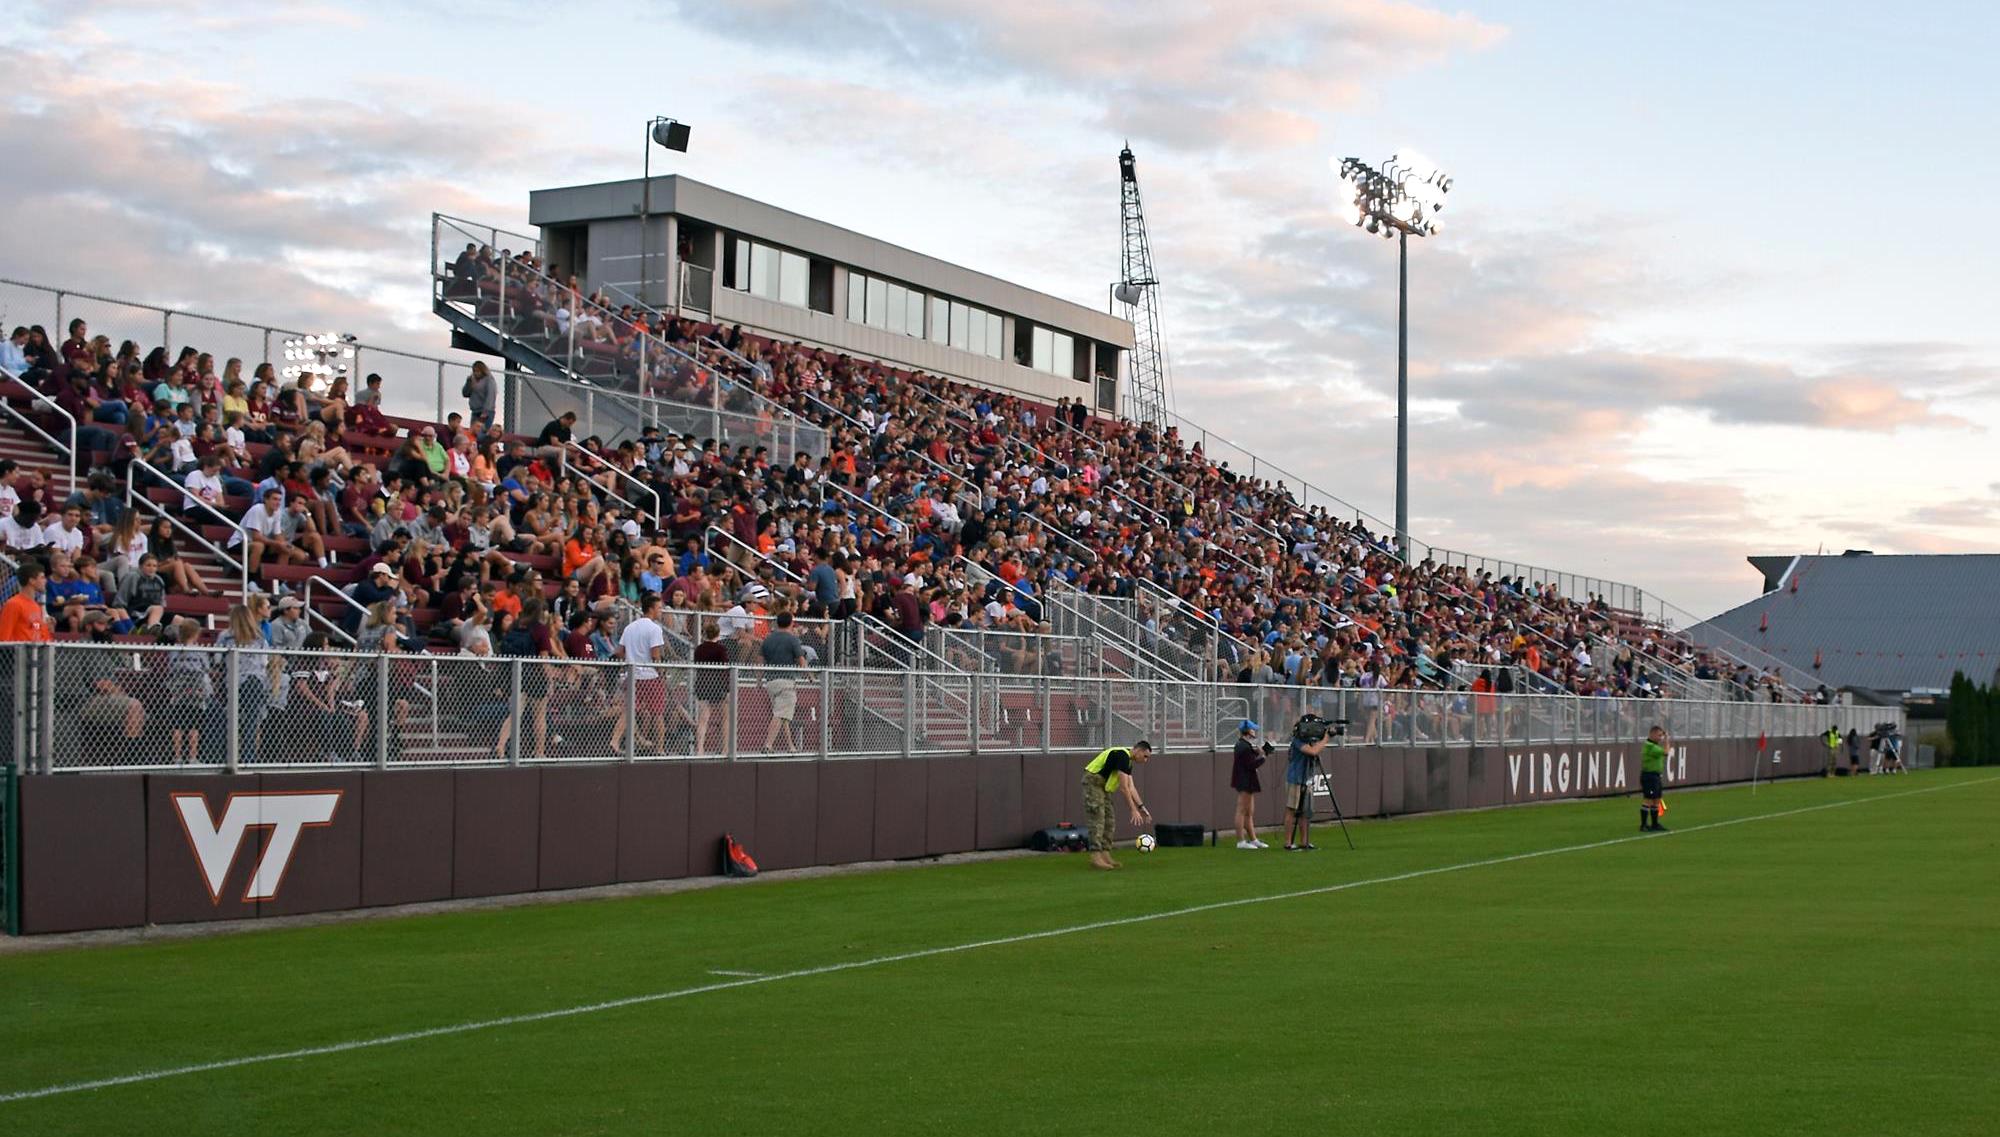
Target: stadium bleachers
[945, 529]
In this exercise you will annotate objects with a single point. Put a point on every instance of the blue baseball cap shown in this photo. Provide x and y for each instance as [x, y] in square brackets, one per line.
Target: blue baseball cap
[1247, 724]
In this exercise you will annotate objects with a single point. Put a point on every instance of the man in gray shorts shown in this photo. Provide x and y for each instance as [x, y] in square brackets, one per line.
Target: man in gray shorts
[782, 649]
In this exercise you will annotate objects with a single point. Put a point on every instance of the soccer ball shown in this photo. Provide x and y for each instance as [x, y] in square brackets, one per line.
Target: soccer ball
[1145, 843]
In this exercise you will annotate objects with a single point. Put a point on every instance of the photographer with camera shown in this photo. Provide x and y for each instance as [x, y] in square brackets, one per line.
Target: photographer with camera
[1308, 739]
[1243, 779]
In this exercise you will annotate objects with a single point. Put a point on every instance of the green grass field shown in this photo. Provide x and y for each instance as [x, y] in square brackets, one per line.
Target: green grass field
[1820, 972]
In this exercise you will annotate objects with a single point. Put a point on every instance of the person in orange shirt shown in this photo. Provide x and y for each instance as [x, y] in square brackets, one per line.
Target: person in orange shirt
[23, 619]
[581, 560]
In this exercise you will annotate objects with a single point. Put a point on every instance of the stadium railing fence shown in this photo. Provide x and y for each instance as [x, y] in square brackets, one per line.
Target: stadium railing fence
[124, 707]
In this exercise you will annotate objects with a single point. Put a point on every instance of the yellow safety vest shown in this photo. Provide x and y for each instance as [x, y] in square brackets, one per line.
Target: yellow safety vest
[1097, 764]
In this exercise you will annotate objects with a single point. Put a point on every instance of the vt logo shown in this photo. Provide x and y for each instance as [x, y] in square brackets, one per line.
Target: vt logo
[215, 841]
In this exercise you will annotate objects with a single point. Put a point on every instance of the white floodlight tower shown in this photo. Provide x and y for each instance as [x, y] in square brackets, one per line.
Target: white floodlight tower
[1400, 200]
[1148, 393]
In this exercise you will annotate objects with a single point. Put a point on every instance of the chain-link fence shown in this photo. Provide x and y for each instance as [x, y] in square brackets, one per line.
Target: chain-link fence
[76, 706]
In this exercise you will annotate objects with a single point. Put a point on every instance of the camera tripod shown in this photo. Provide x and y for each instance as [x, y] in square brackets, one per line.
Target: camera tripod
[1330, 796]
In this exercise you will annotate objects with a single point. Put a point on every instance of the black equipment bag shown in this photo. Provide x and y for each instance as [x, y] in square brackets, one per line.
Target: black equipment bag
[1064, 838]
[1178, 835]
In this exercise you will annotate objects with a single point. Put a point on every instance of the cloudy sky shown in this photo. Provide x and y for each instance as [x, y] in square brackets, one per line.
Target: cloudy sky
[1715, 278]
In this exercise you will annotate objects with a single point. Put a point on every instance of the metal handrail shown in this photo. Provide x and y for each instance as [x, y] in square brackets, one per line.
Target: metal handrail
[1736, 647]
[648, 339]
[750, 387]
[1250, 523]
[1183, 426]
[132, 497]
[330, 624]
[945, 666]
[1661, 666]
[361, 349]
[1138, 652]
[1185, 713]
[623, 474]
[1183, 493]
[1174, 605]
[37, 398]
[752, 550]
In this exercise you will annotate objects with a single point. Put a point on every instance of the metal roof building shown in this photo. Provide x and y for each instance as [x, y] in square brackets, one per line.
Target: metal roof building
[1887, 623]
[721, 256]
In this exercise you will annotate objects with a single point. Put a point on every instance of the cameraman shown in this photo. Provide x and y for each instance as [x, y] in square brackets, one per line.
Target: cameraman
[1308, 739]
[1243, 779]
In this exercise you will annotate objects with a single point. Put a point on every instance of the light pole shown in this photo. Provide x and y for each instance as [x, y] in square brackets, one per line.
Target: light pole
[674, 136]
[1400, 200]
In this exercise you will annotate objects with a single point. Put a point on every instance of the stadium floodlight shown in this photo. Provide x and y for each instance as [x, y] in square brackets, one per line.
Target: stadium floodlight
[326, 354]
[673, 135]
[1400, 200]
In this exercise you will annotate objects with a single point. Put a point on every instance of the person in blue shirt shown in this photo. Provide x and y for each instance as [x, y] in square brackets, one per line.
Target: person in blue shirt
[694, 556]
[13, 353]
[1299, 763]
[825, 581]
[650, 578]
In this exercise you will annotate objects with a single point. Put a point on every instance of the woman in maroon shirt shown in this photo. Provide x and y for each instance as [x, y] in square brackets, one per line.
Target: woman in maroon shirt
[1243, 779]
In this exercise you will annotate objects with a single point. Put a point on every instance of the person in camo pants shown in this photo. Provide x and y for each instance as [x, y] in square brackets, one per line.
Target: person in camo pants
[1105, 774]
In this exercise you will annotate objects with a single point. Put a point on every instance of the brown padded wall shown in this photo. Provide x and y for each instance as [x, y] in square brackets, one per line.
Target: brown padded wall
[176, 890]
[109, 850]
[846, 825]
[1072, 786]
[1367, 783]
[902, 808]
[1042, 791]
[1437, 768]
[999, 824]
[652, 821]
[496, 831]
[324, 874]
[83, 852]
[579, 836]
[1160, 787]
[951, 806]
[1199, 787]
[1343, 767]
[406, 835]
[1221, 799]
[1271, 801]
[1392, 781]
[1702, 759]
[1417, 781]
[787, 815]
[1485, 778]
[722, 798]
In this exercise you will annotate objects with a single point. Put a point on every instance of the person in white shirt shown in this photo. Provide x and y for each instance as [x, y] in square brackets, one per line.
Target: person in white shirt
[203, 486]
[642, 643]
[948, 517]
[737, 621]
[266, 524]
[20, 529]
[66, 533]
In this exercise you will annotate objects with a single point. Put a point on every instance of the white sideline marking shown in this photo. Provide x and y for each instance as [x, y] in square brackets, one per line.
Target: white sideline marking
[737, 974]
[922, 953]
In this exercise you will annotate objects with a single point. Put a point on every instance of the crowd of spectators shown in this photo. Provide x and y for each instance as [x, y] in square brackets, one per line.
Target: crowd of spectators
[934, 505]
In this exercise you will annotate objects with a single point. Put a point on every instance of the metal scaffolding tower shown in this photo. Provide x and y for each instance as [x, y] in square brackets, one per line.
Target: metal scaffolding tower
[1148, 397]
